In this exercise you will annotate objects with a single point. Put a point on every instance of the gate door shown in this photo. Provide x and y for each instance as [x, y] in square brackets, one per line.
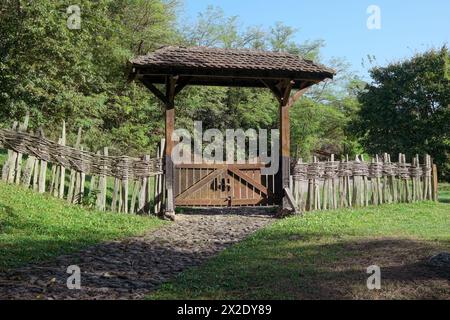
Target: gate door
[205, 185]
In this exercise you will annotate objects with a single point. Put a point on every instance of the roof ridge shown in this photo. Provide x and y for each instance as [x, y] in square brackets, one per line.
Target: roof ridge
[230, 58]
[230, 50]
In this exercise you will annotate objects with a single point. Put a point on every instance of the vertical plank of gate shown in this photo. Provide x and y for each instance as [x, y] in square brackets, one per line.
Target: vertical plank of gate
[190, 178]
[198, 178]
[253, 187]
[178, 179]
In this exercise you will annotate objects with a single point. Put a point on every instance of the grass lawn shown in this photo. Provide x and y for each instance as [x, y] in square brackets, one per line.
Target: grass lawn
[34, 227]
[444, 193]
[325, 255]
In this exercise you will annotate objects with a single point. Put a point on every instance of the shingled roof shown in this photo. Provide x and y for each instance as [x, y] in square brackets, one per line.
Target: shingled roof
[231, 67]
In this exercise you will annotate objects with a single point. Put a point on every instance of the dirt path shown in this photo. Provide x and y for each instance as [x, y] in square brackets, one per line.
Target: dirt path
[132, 268]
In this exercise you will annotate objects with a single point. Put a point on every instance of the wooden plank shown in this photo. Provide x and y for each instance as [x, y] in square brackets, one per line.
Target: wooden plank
[18, 165]
[249, 179]
[202, 202]
[136, 184]
[143, 193]
[290, 198]
[62, 170]
[28, 171]
[285, 143]
[102, 187]
[435, 183]
[169, 129]
[247, 202]
[194, 188]
[221, 166]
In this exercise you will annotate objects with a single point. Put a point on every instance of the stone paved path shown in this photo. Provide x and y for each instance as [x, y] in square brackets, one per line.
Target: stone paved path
[131, 268]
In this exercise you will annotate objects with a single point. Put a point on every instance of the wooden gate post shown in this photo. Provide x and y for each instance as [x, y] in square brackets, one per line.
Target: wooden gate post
[282, 92]
[170, 125]
[285, 145]
[174, 85]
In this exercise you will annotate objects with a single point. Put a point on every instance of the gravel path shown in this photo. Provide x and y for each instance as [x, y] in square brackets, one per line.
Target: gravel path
[131, 268]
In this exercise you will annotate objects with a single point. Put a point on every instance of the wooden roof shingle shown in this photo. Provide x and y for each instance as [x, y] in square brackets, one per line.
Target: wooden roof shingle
[231, 67]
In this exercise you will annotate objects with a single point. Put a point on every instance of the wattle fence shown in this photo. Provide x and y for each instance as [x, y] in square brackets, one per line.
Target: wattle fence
[136, 185]
[121, 184]
[343, 184]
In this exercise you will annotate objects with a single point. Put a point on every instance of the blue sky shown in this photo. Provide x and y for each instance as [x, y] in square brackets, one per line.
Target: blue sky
[407, 27]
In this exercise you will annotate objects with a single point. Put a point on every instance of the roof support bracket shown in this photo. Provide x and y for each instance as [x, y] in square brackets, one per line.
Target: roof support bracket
[150, 86]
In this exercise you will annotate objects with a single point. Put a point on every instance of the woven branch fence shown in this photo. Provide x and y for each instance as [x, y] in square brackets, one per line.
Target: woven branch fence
[342, 184]
[132, 185]
[121, 184]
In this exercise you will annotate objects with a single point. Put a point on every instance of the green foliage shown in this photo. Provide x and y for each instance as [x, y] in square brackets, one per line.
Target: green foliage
[35, 227]
[406, 109]
[318, 122]
[80, 76]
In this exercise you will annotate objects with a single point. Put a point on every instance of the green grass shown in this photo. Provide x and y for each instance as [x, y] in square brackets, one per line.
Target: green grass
[3, 155]
[444, 192]
[324, 255]
[35, 227]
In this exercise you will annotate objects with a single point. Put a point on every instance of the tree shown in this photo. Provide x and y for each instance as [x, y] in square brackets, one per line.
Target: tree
[57, 73]
[406, 109]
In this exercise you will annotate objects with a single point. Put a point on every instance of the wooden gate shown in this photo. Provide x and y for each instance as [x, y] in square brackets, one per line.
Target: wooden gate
[205, 185]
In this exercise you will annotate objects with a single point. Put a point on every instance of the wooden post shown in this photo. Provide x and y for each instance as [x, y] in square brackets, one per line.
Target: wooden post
[73, 173]
[28, 171]
[115, 196]
[18, 165]
[136, 185]
[62, 170]
[169, 128]
[159, 180]
[42, 171]
[36, 175]
[143, 193]
[435, 183]
[102, 185]
[285, 143]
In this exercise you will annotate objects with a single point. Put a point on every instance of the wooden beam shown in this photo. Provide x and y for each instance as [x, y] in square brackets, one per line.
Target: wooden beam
[249, 180]
[199, 185]
[275, 90]
[169, 129]
[290, 199]
[181, 84]
[297, 96]
[285, 142]
[150, 86]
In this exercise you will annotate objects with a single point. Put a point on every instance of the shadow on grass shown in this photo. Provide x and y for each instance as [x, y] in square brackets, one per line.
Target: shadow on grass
[298, 269]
